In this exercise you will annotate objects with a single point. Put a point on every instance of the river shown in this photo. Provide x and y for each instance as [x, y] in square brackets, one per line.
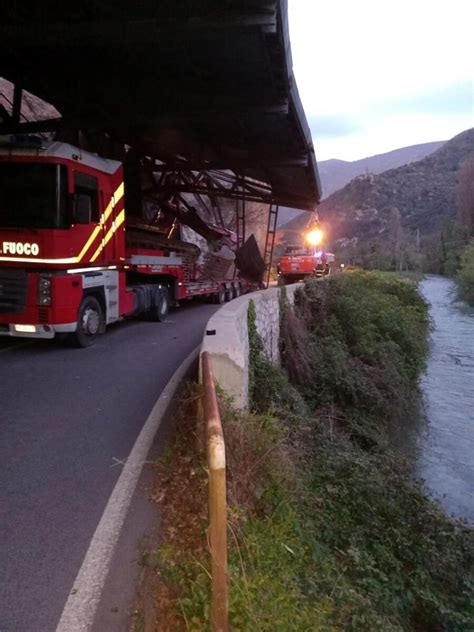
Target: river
[446, 443]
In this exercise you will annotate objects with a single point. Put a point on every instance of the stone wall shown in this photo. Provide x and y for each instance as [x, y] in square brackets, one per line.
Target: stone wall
[226, 339]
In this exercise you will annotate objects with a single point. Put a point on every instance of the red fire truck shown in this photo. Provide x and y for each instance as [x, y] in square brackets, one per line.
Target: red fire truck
[300, 262]
[72, 261]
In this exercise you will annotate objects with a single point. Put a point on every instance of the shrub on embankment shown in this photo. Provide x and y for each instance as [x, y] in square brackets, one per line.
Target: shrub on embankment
[327, 529]
[465, 275]
[370, 551]
[356, 344]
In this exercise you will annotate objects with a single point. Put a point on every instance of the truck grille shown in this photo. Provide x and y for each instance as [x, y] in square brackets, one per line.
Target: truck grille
[43, 315]
[13, 290]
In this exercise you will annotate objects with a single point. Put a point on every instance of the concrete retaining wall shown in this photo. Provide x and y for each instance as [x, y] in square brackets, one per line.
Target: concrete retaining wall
[227, 342]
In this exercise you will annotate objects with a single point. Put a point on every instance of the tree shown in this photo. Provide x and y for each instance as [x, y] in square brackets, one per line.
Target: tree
[465, 275]
[466, 195]
[396, 237]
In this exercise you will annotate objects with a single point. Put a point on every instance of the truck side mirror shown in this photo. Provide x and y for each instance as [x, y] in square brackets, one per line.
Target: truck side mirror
[82, 209]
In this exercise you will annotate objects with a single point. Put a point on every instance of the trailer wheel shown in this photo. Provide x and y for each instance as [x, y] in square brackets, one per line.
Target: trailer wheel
[159, 310]
[236, 291]
[90, 322]
[229, 294]
[221, 295]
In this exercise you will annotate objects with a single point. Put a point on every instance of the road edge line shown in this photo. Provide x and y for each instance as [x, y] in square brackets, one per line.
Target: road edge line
[81, 606]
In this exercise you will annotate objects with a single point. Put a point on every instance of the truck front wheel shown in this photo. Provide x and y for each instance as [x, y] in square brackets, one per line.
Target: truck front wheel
[90, 322]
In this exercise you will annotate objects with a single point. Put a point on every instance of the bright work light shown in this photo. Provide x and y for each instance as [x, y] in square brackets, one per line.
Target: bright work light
[314, 237]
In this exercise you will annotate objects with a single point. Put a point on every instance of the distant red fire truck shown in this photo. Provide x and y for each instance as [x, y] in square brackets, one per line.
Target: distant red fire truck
[72, 260]
[302, 261]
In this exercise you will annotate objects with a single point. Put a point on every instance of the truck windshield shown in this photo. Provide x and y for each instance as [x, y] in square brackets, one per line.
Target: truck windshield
[32, 195]
[297, 250]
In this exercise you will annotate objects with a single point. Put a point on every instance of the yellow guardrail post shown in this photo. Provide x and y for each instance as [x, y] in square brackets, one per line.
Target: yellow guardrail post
[217, 500]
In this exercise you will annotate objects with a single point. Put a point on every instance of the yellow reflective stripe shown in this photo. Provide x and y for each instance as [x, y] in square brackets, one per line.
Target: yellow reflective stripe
[117, 196]
[117, 222]
[95, 232]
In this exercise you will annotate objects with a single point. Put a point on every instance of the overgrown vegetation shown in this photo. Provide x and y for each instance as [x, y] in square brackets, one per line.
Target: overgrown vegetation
[442, 250]
[465, 275]
[356, 345]
[327, 529]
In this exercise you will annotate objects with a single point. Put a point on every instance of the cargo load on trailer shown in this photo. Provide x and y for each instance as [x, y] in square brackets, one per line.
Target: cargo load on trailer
[84, 243]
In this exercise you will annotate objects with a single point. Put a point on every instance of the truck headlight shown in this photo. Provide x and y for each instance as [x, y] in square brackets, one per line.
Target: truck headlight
[44, 290]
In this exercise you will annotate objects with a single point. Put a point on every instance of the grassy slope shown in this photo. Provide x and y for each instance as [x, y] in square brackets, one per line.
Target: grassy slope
[327, 530]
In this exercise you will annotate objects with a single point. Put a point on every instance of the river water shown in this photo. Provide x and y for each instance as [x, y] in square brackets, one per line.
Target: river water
[446, 443]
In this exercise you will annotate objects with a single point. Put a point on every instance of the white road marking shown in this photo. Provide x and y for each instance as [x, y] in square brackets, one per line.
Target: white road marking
[80, 609]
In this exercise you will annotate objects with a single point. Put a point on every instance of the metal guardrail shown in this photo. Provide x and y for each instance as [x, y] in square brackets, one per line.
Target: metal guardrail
[215, 447]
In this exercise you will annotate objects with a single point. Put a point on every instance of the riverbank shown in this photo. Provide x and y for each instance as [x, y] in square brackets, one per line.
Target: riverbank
[327, 530]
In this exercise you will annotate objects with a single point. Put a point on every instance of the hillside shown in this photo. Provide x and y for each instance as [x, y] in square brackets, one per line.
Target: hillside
[337, 173]
[424, 192]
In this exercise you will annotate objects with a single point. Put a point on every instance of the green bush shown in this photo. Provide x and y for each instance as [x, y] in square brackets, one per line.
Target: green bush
[368, 550]
[329, 536]
[268, 386]
[362, 340]
[327, 529]
[465, 275]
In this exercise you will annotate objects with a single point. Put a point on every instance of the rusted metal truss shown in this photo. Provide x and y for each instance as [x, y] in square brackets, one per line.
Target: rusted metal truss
[213, 184]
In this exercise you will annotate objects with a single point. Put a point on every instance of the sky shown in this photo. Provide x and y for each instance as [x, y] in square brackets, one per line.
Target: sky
[378, 75]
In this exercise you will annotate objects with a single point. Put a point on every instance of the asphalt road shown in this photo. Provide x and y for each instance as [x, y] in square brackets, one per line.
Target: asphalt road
[67, 418]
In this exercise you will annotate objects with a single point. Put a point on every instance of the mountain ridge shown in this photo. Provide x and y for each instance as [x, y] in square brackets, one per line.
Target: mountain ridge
[424, 192]
[336, 173]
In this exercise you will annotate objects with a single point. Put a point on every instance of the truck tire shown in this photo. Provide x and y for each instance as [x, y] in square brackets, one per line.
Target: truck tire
[220, 297]
[161, 305]
[236, 290]
[229, 294]
[90, 322]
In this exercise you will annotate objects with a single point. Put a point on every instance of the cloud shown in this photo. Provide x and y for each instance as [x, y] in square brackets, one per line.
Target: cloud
[352, 56]
[388, 133]
[374, 76]
[328, 126]
[452, 99]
